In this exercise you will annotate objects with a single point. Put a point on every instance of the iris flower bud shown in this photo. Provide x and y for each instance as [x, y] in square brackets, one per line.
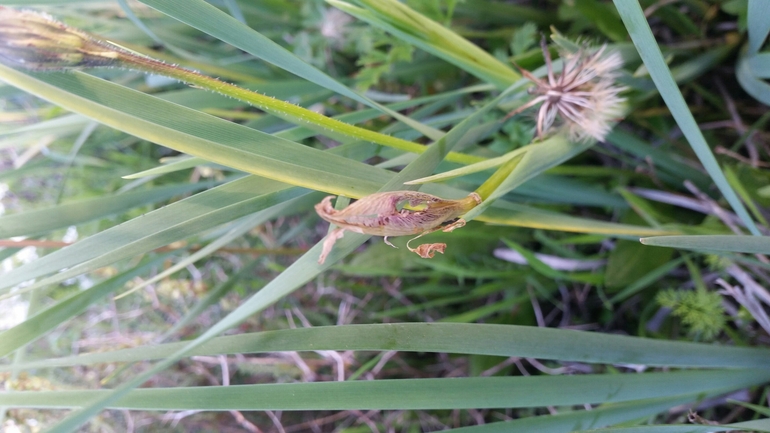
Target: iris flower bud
[33, 40]
[396, 213]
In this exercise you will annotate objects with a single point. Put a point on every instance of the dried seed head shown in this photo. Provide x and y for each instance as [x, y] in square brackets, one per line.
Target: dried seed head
[396, 213]
[36, 41]
[583, 99]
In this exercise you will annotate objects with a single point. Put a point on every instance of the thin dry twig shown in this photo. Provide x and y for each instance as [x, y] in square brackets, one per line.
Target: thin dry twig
[748, 301]
[738, 124]
[725, 151]
[713, 207]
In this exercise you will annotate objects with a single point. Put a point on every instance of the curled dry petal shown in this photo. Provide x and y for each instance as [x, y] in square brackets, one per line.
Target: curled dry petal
[397, 213]
[328, 244]
[427, 251]
[33, 40]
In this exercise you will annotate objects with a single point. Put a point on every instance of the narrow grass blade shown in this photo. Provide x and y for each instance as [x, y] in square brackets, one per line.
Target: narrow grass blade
[407, 394]
[43, 2]
[211, 298]
[759, 65]
[45, 220]
[542, 268]
[753, 85]
[36, 326]
[471, 168]
[735, 244]
[487, 11]
[464, 338]
[603, 17]
[209, 19]
[158, 228]
[240, 228]
[512, 214]
[537, 159]
[177, 164]
[420, 31]
[662, 159]
[197, 134]
[636, 23]
[760, 425]
[647, 280]
[758, 25]
[608, 414]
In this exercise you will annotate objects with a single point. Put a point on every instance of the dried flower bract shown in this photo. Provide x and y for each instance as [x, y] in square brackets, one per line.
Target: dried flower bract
[33, 40]
[397, 213]
[584, 98]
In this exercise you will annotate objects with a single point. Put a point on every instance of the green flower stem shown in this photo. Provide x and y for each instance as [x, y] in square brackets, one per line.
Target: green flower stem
[278, 107]
[498, 177]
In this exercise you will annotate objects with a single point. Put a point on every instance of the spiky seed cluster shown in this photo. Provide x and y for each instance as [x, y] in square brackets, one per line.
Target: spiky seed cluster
[583, 98]
[33, 40]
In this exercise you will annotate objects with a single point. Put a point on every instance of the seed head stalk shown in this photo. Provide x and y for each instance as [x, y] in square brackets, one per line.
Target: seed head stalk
[35, 41]
[269, 104]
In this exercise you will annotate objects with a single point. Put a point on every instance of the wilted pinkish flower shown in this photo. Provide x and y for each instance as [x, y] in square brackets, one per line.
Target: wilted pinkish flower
[33, 40]
[396, 213]
[583, 98]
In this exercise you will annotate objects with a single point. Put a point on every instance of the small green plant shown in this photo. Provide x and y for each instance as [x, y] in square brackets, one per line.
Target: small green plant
[379, 53]
[700, 311]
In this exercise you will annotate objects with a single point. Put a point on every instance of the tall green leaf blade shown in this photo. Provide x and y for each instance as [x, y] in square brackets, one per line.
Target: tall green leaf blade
[405, 394]
[665, 160]
[36, 326]
[411, 26]
[199, 134]
[758, 23]
[608, 414]
[208, 19]
[736, 244]
[465, 338]
[45, 220]
[636, 24]
[751, 83]
[536, 160]
[760, 425]
[158, 228]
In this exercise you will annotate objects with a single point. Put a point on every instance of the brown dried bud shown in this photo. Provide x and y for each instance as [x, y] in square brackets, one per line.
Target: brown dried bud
[396, 213]
[36, 41]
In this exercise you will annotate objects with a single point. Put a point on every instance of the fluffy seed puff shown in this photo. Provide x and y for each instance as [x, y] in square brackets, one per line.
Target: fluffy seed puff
[583, 99]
